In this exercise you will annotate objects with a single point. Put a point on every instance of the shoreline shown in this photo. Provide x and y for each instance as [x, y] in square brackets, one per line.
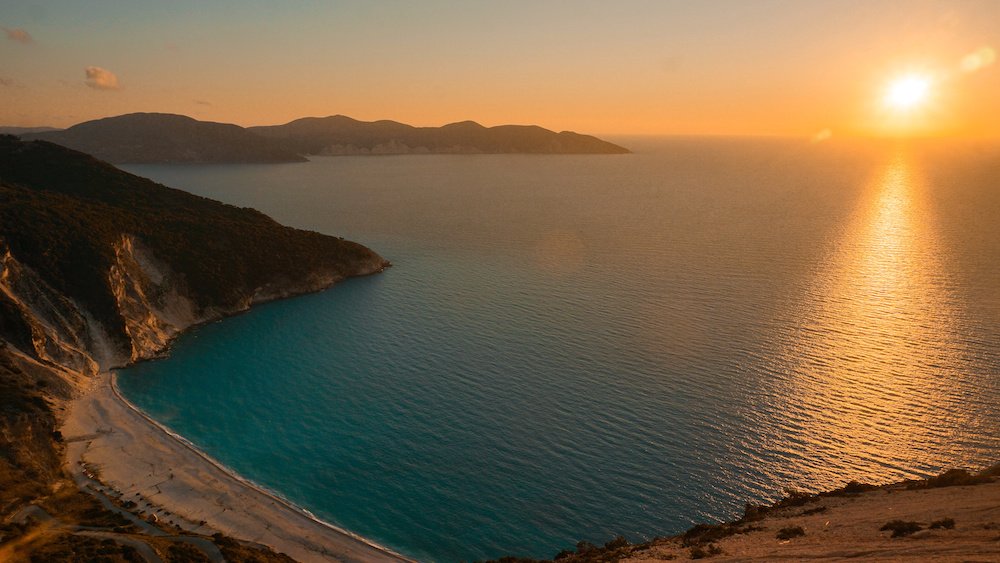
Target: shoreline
[141, 458]
[233, 474]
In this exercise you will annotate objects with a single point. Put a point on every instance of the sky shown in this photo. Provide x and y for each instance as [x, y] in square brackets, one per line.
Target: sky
[811, 68]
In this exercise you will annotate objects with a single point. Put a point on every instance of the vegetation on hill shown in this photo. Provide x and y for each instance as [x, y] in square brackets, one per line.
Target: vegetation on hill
[62, 212]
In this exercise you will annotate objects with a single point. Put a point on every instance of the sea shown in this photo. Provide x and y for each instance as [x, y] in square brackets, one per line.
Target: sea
[574, 347]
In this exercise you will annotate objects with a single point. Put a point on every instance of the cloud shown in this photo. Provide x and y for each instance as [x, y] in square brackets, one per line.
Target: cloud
[203, 103]
[4, 81]
[19, 35]
[101, 78]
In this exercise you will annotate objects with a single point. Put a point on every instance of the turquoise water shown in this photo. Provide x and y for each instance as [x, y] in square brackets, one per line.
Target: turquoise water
[569, 348]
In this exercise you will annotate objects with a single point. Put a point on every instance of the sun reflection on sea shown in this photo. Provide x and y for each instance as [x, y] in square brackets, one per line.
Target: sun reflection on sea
[872, 365]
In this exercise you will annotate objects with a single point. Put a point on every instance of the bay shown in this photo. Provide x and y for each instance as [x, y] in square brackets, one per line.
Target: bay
[574, 347]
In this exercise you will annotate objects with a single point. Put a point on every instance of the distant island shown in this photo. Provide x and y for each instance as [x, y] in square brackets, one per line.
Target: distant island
[139, 138]
[341, 135]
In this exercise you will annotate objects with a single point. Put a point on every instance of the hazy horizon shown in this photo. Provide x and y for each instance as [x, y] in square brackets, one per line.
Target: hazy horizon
[640, 68]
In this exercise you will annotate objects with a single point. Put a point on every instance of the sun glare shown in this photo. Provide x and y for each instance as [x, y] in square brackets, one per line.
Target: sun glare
[907, 92]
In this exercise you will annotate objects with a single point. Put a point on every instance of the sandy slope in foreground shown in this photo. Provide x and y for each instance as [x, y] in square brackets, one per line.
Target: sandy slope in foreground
[134, 455]
[848, 529]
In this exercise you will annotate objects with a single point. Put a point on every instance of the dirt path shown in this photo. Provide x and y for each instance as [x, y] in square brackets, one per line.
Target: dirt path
[42, 516]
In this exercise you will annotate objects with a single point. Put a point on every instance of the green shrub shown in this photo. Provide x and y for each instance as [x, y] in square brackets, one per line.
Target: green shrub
[952, 478]
[946, 523]
[790, 532]
[699, 552]
[817, 510]
[901, 528]
[617, 543]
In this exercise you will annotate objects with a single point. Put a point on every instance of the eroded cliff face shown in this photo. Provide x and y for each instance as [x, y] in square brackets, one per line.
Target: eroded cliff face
[150, 299]
[55, 331]
[64, 335]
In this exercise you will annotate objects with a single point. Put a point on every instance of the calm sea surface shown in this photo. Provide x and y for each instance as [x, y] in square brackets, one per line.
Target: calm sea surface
[573, 347]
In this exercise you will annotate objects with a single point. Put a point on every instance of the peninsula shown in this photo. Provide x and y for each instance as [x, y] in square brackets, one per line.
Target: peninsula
[99, 269]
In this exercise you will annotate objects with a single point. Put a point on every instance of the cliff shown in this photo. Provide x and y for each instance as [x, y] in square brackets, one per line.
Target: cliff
[101, 261]
[164, 137]
[340, 135]
[100, 268]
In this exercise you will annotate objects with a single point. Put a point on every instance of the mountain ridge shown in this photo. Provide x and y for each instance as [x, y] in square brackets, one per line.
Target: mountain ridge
[145, 138]
[341, 135]
[166, 138]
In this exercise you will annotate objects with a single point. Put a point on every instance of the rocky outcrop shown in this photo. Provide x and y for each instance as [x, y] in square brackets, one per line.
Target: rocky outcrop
[100, 268]
[150, 299]
[43, 323]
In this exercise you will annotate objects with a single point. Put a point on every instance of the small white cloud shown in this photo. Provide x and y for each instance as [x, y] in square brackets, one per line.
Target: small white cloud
[19, 35]
[101, 78]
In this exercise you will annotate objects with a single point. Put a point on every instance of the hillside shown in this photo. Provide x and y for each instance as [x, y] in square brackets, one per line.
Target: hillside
[340, 135]
[166, 138]
[100, 268]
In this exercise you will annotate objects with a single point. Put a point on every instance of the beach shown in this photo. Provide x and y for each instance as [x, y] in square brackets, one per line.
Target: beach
[141, 461]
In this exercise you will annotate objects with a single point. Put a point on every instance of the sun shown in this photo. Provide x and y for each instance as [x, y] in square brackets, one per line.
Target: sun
[908, 92]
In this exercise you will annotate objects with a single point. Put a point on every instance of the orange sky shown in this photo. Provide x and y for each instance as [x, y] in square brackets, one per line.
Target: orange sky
[769, 67]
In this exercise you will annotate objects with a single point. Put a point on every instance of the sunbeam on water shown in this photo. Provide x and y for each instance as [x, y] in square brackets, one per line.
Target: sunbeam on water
[573, 347]
[875, 341]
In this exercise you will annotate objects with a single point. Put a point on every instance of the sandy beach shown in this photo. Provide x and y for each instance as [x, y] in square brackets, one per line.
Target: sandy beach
[146, 464]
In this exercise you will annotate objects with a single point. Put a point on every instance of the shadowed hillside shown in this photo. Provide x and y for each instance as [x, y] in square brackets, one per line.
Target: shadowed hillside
[63, 213]
[164, 137]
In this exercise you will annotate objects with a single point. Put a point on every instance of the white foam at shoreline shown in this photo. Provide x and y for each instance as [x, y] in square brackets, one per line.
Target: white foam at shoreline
[241, 479]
